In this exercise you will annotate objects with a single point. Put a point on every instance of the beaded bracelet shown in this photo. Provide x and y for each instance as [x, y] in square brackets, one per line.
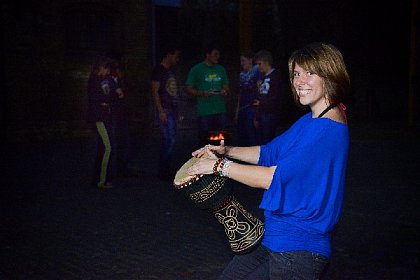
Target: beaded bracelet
[216, 165]
[224, 167]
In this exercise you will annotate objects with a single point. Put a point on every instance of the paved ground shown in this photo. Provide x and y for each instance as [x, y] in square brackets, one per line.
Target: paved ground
[56, 226]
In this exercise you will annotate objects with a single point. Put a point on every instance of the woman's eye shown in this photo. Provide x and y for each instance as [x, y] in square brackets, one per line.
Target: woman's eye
[309, 73]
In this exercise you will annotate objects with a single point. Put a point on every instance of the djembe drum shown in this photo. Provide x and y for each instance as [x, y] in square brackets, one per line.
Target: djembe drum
[214, 193]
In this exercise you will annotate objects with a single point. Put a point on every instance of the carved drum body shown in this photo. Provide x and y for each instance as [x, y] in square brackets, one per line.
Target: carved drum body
[214, 193]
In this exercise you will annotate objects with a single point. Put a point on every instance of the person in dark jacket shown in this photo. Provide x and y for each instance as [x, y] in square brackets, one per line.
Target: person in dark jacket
[102, 94]
[268, 100]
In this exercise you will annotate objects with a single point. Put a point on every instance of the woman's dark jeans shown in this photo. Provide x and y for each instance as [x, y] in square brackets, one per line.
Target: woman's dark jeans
[263, 264]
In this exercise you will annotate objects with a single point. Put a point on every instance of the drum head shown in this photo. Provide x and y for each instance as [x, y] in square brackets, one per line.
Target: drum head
[182, 179]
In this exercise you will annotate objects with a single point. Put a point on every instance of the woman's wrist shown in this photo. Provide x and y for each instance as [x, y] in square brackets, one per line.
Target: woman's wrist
[225, 167]
[222, 166]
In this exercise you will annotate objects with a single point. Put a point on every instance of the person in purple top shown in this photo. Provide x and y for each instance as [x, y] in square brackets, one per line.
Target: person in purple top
[302, 172]
[102, 94]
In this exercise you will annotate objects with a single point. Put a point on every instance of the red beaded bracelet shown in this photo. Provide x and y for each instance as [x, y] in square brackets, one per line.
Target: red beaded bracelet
[216, 165]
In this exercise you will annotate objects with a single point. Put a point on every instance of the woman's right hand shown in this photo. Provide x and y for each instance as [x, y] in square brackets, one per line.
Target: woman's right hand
[202, 166]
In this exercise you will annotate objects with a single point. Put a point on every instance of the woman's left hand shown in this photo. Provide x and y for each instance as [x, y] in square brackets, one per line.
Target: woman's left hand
[206, 161]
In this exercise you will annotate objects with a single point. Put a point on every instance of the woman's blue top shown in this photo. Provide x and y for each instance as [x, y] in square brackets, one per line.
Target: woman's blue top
[305, 198]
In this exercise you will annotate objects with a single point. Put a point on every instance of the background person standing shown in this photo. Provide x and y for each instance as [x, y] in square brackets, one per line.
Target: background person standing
[164, 92]
[245, 113]
[208, 82]
[268, 100]
[102, 95]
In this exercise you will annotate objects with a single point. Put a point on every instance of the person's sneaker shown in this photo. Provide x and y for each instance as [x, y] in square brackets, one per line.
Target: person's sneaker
[107, 185]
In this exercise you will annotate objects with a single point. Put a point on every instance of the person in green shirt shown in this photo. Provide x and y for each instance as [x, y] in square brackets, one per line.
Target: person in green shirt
[207, 81]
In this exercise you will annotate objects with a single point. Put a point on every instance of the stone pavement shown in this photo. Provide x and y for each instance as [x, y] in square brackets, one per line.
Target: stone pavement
[56, 226]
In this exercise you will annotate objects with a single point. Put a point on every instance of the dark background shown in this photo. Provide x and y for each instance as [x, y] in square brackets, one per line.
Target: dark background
[49, 47]
[54, 226]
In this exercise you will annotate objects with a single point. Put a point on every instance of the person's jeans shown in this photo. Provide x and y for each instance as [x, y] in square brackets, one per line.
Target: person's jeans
[168, 135]
[215, 122]
[251, 266]
[297, 265]
[247, 133]
[263, 264]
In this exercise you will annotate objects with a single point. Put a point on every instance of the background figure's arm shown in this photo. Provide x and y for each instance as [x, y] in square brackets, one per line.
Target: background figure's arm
[195, 93]
[236, 117]
[157, 101]
[156, 97]
[225, 90]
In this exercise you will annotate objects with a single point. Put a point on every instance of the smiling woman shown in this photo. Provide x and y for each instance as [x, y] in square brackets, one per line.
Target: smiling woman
[319, 79]
[302, 172]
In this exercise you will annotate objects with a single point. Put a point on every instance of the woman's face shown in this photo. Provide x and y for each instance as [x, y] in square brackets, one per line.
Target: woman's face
[246, 63]
[310, 88]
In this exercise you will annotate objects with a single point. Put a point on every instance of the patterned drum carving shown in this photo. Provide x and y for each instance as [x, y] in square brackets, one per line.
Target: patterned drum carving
[214, 193]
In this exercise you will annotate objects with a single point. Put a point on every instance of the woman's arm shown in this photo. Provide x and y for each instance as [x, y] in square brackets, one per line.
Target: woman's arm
[252, 175]
[246, 154]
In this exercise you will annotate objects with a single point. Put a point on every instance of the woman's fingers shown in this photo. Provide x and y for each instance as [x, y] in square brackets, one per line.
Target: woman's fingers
[199, 153]
[210, 152]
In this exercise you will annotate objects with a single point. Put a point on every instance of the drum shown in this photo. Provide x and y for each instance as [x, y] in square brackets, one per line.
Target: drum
[206, 191]
[215, 193]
